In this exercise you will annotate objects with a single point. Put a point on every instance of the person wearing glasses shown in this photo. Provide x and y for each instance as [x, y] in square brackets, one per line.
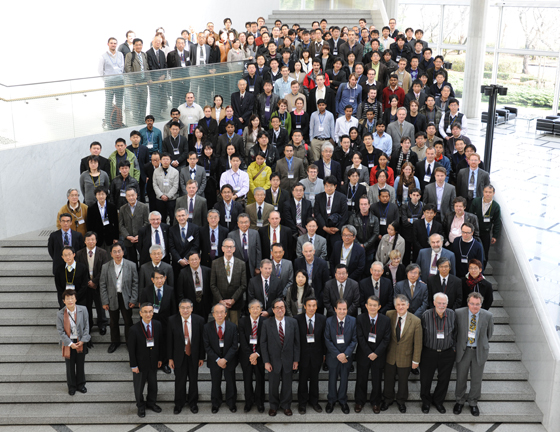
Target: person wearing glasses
[466, 248]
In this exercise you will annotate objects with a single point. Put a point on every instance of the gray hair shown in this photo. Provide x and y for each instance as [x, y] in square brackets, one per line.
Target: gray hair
[307, 243]
[70, 191]
[185, 300]
[154, 213]
[265, 261]
[402, 108]
[350, 228]
[228, 239]
[327, 145]
[219, 304]
[438, 235]
[180, 209]
[155, 247]
[214, 211]
[440, 294]
[411, 267]
[255, 301]
[378, 263]
[259, 189]
[402, 298]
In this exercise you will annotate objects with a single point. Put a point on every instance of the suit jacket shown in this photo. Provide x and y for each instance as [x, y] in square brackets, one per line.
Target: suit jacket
[351, 295]
[285, 239]
[106, 233]
[130, 224]
[206, 244]
[282, 197]
[469, 217]
[251, 210]
[132, 64]
[421, 172]
[104, 164]
[420, 234]
[286, 276]
[394, 131]
[386, 293]
[79, 278]
[382, 331]
[174, 59]
[245, 329]
[482, 180]
[156, 62]
[289, 216]
[243, 108]
[330, 99]
[454, 290]
[194, 53]
[430, 197]
[282, 357]
[176, 340]
[222, 289]
[319, 277]
[355, 265]
[223, 142]
[494, 227]
[338, 206]
[56, 244]
[82, 326]
[410, 97]
[179, 249]
[336, 170]
[409, 348]
[167, 306]
[185, 288]
[424, 257]
[210, 131]
[145, 242]
[298, 172]
[108, 284]
[355, 199]
[199, 177]
[357, 49]
[212, 344]
[281, 141]
[311, 354]
[350, 338]
[319, 242]
[145, 275]
[382, 76]
[256, 291]
[419, 303]
[254, 250]
[100, 257]
[181, 143]
[484, 332]
[236, 210]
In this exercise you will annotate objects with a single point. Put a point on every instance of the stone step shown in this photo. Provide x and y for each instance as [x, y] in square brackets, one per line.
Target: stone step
[498, 300]
[50, 352]
[30, 284]
[120, 371]
[24, 254]
[503, 333]
[25, 269]
[56, 392]
[126, 412]
[38, 238]
[500, 315]
[492, 280]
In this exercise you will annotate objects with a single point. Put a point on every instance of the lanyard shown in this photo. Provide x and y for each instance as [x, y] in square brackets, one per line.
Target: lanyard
[66, 276]
[435, 323]
[150, 136]
[469, 251]
[489, 209]
[354, 193]
[386, 211]
[322, 121]
[342, 252]
[158, 303]
[98, 180]
[412, 213]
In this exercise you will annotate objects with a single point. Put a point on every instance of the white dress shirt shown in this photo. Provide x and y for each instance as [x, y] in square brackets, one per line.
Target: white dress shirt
[161, 240]
[118, 273]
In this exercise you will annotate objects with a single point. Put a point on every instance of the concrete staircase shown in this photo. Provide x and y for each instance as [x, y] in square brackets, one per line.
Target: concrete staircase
[337, 17]
[33, 381]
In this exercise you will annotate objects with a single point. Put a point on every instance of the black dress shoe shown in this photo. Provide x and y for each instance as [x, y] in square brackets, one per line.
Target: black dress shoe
[89, 344]
[215, 409]
[271, 412]
[425, 408]
[441, 409]
[457, 408]
[177, 410]
[288, 412]
[233, 409]
[260, 408]
[317, 408]
[402, 408]
[329, 408]
[302, 410]
[247, 408]
[141, 412]
[345, 409]
[155, 408]
[358, 408]
[166, 369]
[194, 409]
[112, 348]
[474, 411]
[71, 392]
[102, 331]
[82, 389]
[325, 367]
[385, 406]
[376, 409]
[352, 368]
[415, 371]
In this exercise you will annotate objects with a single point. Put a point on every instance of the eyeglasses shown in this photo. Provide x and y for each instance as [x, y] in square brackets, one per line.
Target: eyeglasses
[185, 307]
[466, 232]
[280, 307]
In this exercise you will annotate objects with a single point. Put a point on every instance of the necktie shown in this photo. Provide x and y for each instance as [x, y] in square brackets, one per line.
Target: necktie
[149, 331]
[201, 54]
[428, 229]
[412, 291]
[329, 203]
[472, 328]
[400, 126]
[341, 327]
[213, 241]
[266, 288]
[90, 254]
[241, 98]
[434, 262]
[158, 239]
[254, 335]
[281, 334]
[187, 340]
[298, 213]
[444, 285]
[245, 255]
[471, 186]
[159, 294]
[341, 291]
[377, 289]
[228, 269]
[429, 170]
[66, 239]
[399, 329]
[193, 172]
[183, 234]
[353, 190]
[197, 285]
[220, 333]
[259, 213]
[274, 240]
[191, 207]
[310, 326]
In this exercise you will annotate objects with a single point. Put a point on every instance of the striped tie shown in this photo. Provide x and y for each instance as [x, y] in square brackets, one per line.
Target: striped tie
[254, 335]
[281, 334]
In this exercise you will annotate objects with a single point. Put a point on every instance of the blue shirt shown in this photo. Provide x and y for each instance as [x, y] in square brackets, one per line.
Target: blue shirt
[325, 121]
[348, 96]
[154, 136]
[69, 236]
[383, 142]
[470, 317]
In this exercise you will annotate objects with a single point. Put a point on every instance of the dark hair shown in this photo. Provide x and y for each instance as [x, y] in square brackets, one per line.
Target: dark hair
[95, 143]
[306, 288]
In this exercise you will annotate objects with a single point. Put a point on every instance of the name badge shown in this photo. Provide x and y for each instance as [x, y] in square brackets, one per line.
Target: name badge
[191, 238]
[440, 335]
[80, 221]
[150, 145]
[471, 334]
[123, 193]
[297, 126]
[236, 190]
[266, 109]
[290, 176]
[339, 339]
[68, 286]
[253, 341]
[246, 247]
[221, 343]
[351, 100]
[486, 219]
[156, 308]
[106, 221]
[321, 128]
[350, 202]
[166, 182]
[471, 187]
[372, 337]
[382, 221]
[228, 219]
[207, 174]
[264, 174]
[259, 224]
[275, 208]
[186, 341]
[464, 260]
[198, 289]
[328, 211]
[298, 221]
[439, 203]
[214, 247]
[175, 151]
[427, 178]
[412, 220]
[433, 270]
[371, 165]
[310, 338]
[150, 342]
[398, 58]
[342, 261]
[251, 88]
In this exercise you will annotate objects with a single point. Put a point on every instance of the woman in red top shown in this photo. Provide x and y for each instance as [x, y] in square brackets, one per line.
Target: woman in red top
[382, 164]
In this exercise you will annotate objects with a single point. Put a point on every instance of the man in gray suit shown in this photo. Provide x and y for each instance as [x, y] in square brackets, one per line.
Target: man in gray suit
[475, 327]
[118, 286]
[440, 194]
[259, 211]
[196, 205]
[166, 187]
[427, 258]
[228, 281]
[247, 245]
[146, 270]
[73, 327]
[280, 352]
[399, 129]
[137, 61]
[132, 217]
[318, 242]
[290, 168]
[471, 181]
[415, 290]
[193, 172]
[282, 268]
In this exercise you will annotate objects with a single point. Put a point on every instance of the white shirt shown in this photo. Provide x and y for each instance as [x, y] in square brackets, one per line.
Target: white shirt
[73, 329]
[320, 93]
[277, 231]
[118, 273]
[201, 59]
[312, 320]
[161, 241]
[189, 325]
[263, 282]
[403, 320]
[199, 270]
[342, 126]
[71, 267]
[231, 268]
[283, 322]
[338, 286]
[434, 255]
[431, 165]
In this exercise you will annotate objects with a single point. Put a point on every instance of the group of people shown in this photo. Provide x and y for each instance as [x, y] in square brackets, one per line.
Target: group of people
[288, 232]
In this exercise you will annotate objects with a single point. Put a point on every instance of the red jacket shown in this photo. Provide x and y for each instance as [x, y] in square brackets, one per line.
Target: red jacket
[387, 92]
[390, 176]
[310, 84]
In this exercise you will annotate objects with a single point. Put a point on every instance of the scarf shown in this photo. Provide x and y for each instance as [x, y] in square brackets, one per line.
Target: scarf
[471, 282]
[68, 330]
[400, 162]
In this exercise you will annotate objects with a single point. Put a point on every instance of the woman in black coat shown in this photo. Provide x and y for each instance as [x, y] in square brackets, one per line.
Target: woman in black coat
[396, 266]
[211, 164]
[474, 281]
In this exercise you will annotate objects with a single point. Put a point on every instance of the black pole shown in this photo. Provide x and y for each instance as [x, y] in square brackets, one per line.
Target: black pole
[493, 96]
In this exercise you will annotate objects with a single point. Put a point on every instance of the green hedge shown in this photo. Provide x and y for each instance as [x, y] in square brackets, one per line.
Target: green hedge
[501, 75]
[506, 64]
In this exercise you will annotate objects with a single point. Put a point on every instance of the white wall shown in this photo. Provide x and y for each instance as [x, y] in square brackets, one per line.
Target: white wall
[63, 39]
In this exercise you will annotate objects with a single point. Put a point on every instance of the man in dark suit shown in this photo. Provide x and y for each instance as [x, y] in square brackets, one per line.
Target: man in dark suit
[423, 228]
[281, 354]
[65, 236]
[220, 341]
[374, 334]
[425, 169]
[414, 289]
[146, 355]
[377, 286]
[71, 275]
[472, 181]
[158, 92]
[211, 237]
[247, 245]
[194, 284]
[340, 340]
[200, 52]
[185, 345]
[446, 283]
[317, 272]
[132, 217]
[177, 146]
[331, 211]
[330, 98]
[228, 281]
[276, 196]
[228, 208]
[195, 205]
[342, 288]
[277, 135]
[94, 258]
[297, 211]
[103, 219]
[95, 150]
[162, 297]
[155, 263]
[149, 169]
[349, 253]
[312, 352]
[250, 355]
[155, 233]
[275, 233]
[427, 258]
[178, 59]
[243, 103]
[184, 237]
[265, 288]
[326, 160]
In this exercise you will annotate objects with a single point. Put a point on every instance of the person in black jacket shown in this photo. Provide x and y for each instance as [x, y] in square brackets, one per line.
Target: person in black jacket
[422, 229]
[394, 271]
[142, 154]
[209, 126]
[379, 286]
[211, 165]
[386, 211]
[95, 150]
[331, 210]
[103, 219]
[71, 275]
[446, 283]
[149, 169]
[177, 146]
[158, 92]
